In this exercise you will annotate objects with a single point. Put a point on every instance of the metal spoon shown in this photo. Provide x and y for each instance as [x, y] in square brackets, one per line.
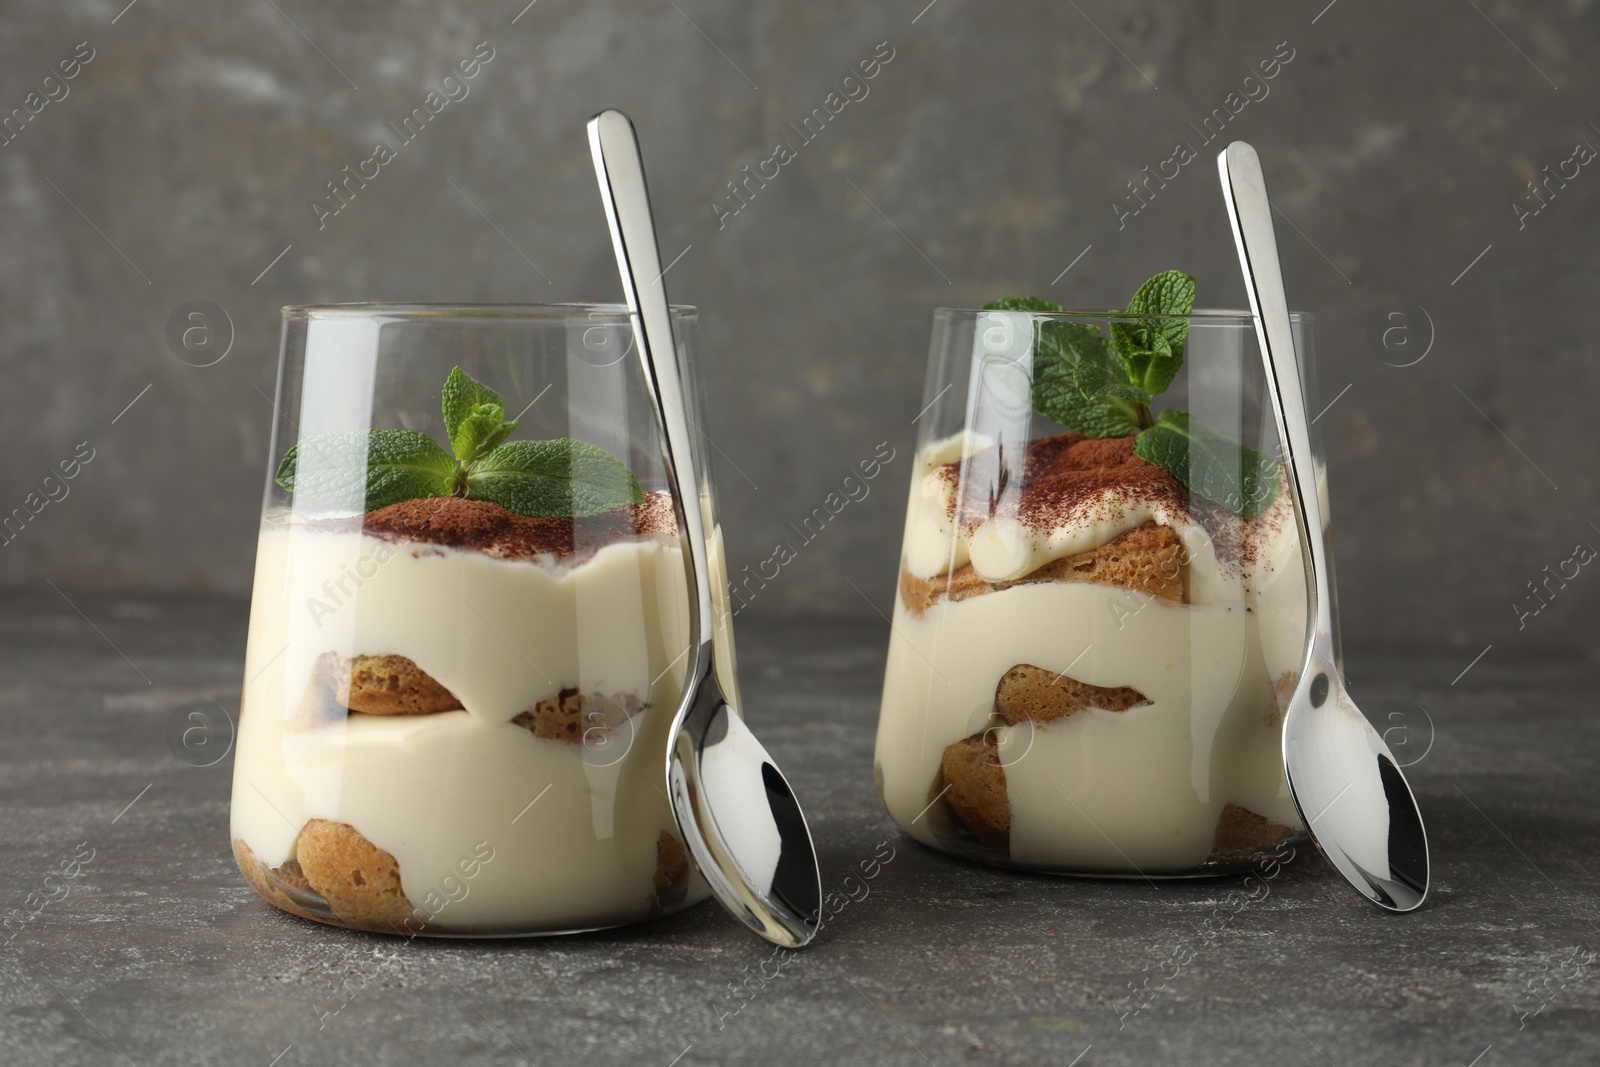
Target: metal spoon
[734, 808]
[1345, 783]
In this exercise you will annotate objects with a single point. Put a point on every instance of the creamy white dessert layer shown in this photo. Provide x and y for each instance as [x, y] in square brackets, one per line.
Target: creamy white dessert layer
[500, 635]
[1098, 790]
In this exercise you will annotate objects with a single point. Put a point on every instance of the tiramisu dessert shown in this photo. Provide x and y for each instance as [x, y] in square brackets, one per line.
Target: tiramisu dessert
[455, 713]
[1094, 635]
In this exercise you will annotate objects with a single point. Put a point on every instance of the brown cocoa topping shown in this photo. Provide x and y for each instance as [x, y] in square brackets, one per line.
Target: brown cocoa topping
[482, 526]
[1069, 480]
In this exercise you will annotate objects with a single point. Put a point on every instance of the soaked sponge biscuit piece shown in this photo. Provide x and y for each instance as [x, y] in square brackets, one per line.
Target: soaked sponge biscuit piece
[672, 862]
[1147, 559]
[359, 880]
[572, 715]
[920, 594]
[671, 878]
[384, 685]
[354, 883]
[975, 788]
[1033, 694]
[284, 887]
[975, 780]
[1240, 829]
[1282, 693]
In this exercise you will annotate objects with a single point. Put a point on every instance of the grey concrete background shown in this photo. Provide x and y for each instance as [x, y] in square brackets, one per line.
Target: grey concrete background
[984, 161]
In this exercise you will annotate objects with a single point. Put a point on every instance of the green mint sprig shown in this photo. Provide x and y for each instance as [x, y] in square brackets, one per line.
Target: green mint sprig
[562, 478]
[1152, 349]
[1103, 387]
[1213, 465]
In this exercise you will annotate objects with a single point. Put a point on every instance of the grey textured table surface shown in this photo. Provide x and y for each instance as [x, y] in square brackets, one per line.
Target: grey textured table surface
[161, 955]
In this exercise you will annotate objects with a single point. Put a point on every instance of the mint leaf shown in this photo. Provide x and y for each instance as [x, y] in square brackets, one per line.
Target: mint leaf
[563, 478]
[1210, 463]
[368, 469]
[1022, 303]
[474, 416]
[1152, 350]
[1077, 380]
[1080, 384]
[1115, 404]
[365, 469]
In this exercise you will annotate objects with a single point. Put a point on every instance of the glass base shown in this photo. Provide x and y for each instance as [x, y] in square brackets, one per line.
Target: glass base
[1217, 865]
[286, 889]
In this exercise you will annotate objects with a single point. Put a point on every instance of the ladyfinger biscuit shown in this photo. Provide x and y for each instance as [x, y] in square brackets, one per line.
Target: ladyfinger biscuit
[971, 767]
[384, 685]
[572, 715]
[1147, 559]
[671, 880]
[975, 788]
[672, 862]
[359, 880]
[283, 887]
[1240, 828]
[1282, 692]
[1029, 693]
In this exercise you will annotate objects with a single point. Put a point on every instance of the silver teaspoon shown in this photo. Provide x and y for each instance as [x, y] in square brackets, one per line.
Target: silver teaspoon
[1348, 789]
[733, 806]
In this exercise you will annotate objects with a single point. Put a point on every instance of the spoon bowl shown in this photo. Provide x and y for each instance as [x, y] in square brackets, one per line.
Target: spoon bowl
[753, 845]
[1350, 792]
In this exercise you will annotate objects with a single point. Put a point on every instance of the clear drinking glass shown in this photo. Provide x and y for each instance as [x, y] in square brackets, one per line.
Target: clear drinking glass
[1088, 663]
[457, 697]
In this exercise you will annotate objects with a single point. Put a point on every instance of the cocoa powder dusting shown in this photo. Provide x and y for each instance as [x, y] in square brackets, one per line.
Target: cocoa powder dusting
[1086, 478]
[481, 526]
[1066, 479]
[1072, 480]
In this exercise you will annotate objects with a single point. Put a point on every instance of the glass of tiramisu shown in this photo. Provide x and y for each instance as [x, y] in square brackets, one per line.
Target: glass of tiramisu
[1101, 602]
[468, 626]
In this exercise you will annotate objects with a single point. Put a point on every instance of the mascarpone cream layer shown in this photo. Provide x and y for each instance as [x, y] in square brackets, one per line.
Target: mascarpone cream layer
[1137, 790]
[574, 827]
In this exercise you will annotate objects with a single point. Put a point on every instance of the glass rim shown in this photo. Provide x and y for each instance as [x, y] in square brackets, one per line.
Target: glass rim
[414, 310]
[1200, 316]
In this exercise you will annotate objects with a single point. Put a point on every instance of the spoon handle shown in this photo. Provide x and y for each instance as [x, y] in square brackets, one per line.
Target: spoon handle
[1250, 212]
[620, 168]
